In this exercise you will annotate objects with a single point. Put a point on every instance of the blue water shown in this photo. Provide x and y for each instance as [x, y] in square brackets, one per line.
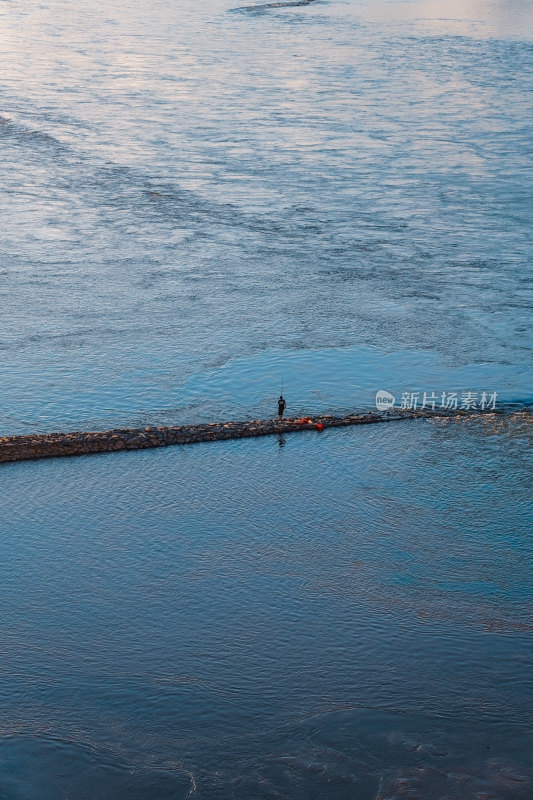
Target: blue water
[344, 615]
[197, 203]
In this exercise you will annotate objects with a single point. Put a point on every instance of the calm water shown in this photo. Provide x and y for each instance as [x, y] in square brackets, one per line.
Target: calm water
[196, 201]
[347, 615]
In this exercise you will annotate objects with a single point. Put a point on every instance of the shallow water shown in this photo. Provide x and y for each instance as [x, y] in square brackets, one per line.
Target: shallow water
[345, 615]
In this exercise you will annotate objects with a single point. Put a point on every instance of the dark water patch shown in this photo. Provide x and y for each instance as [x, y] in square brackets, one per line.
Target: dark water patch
[369, 753]
[56, 769]
[265, 6]
[28, 136]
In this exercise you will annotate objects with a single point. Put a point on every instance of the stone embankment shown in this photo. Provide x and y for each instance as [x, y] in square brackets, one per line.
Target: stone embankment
[49, 445]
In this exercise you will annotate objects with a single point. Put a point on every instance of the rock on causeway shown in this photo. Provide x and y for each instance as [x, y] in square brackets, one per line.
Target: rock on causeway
[49, 445]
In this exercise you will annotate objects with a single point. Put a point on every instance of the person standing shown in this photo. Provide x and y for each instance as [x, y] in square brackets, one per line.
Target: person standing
[281, 406]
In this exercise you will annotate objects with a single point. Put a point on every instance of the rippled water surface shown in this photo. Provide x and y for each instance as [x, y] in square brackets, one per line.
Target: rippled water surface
[340, 615]
[197, 201]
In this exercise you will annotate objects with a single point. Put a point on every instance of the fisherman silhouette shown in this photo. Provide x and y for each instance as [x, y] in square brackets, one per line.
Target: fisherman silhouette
[281, 406]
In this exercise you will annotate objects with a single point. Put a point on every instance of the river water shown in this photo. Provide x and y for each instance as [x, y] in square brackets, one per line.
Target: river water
[199, 202]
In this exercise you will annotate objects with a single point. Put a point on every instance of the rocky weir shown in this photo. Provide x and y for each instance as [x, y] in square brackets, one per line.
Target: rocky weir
[53, 445]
